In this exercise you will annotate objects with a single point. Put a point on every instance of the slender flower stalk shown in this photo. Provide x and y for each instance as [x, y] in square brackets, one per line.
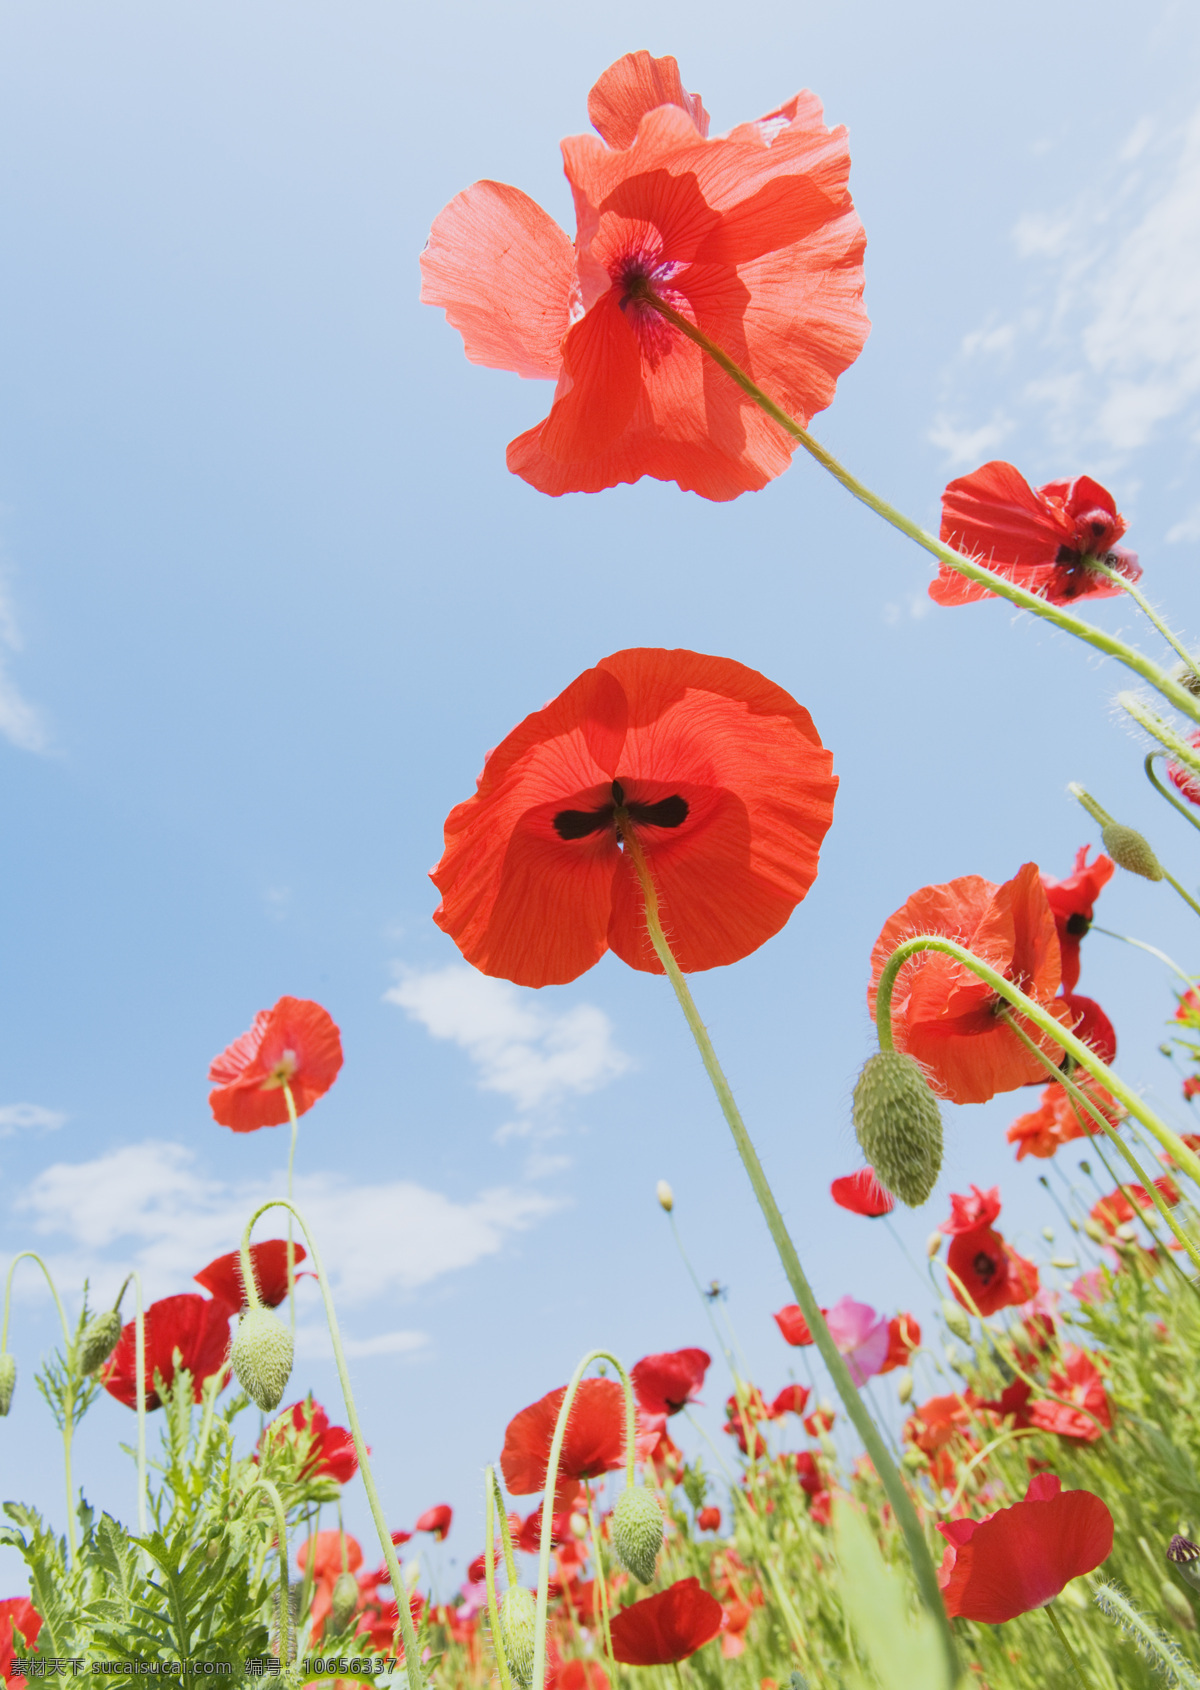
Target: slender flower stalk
[139, 1365]
[291, 1257]
[286, 1635]
[68, 1407]
[1149, 1641]
[860, 1416]
[1133, 591]
[404, 1627]
[1067, 1649]
[560, 1432]
[1143, 946]
[601, 1577]
[1184, 809]
[998, 584]
[493, 1503]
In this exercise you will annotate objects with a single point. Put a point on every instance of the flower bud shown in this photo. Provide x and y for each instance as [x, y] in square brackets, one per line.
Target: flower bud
[665, 1195]
[955, 1317]
[262, 1357]
[898, 1124]
[1095, 1232]
[933, 1244]
[578, 1524]
[904, 1387]
[1178, 1606]
[1184, 1556]
[518, 1628]
[8, 1380]
[345, 1600]
[99, 1340]
[1130, 851]
[914, 1459]
[637, 1532]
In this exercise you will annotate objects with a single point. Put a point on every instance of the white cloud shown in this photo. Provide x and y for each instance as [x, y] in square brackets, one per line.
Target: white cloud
[969, 445]
[150, 1207]
[314, 1343]
[528, 1052]
[20, 723]
[16, 1117]
[1188, 529]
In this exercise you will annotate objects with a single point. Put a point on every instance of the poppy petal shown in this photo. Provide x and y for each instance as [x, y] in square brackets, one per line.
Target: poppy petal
[634, 85]
[666, 1627]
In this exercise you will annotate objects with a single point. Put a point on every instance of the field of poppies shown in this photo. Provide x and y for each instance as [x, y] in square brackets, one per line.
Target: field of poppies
[1022, 1488]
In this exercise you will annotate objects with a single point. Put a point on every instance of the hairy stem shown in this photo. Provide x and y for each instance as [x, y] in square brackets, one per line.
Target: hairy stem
[1185, 810]
[491, 1499]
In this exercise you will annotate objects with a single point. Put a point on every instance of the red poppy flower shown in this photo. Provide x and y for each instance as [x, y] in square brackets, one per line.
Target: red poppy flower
[945, 1016]
[708, 1520]
[663, 1384]
[862, 1194]
[1187, 1009]
[1047, 540]
[188, 1326]
[326, 1551]
[378, 1621]
[792, 1399]
[969, 1213]
[793, 1326]
[818, 1422]
[1058, 1119]
[1020, 1558]
[1191, 1086]
[991, 1273]
[1073, 901]
[594, 1441]
[904, 1334]
[295, 1044]
[582, 1675]
[1013, 1400]
[1117, 1208]
[665, 1628]
[20, 1623]
[750, 235]
[1089, 1023]
[1187, 782]
[324, 1451]
[808, 1470]
[1089, 1415]
[436, 1520]
[223, 1277]
[719, 772]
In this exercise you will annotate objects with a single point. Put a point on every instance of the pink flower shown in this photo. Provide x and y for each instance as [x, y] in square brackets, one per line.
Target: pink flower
[861, 1337]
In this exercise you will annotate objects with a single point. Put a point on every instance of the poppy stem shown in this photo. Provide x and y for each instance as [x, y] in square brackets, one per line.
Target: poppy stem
[560, 1432]
[1143, 946]
[864, 1425]
[139, 1369]
[404, 1625]
[1067, 1649]
[1184, 809]
[1179, 748]
[601, 1580]
[962, 565]
[1139, 598]
[491, 1498]
[68, 1423]
[291, 1255]
[286, 1629]
[1055, 1032]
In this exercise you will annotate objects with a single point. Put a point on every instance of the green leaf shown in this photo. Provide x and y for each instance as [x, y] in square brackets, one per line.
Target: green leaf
[902, 1646]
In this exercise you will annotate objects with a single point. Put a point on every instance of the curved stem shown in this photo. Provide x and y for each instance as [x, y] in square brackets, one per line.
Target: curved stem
[491, 1497]
[1143, 946]
[68, 1404]
[32, 1256]
[1184, 809]
[1139, 598]
[1162, 731]
[404, 1615]
[291, 1255]
[1055, 1031]
[1067, 1649]
[285, 1614]
[864, 1425]
[998, 584]
[139, 1368]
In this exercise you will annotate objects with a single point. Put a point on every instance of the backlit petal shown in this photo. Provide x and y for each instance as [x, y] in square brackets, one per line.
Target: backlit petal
[634, 85]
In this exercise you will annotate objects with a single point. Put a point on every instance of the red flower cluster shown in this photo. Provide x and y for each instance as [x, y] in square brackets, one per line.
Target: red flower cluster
[1047, 540]
[751, 236]
[718, 773]
[222, 1278]
[187, 1331]
[985, 1273]
[1020, 1558]
[1117, 1209]
[20, 1623]
[295, 1044]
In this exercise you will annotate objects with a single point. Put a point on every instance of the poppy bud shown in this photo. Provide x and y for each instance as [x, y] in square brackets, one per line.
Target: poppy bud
[518, 1629]
[914, 1459]
[665, 1195]
[1178, 1606]
[933, 1244]
[637, 1532]
[1095, 1232]
[8, 1380]
[578, 1524]
[99, 1340]
[262, 1357]
[345, 1600]
[1184, 1556]
[956, 1319]
[904, 1387]
[898, 1125]
[1130, 851]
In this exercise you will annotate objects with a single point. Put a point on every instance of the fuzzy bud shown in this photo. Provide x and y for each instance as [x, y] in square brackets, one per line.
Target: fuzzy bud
[262, 1357]
[898, 1124]
[904, 1387]
[1178, 1606]
[955, 1317]
[99, 1340]
[1130, 851]
[665, 1195]
[518, 1628]
[637, 1532]
[345, 1600]
[8, 1380]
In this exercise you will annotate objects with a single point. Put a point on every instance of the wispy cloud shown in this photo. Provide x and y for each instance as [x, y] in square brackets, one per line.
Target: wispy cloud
[20, 1117]
[150, 1206]
[20, 722]
[533, 1054]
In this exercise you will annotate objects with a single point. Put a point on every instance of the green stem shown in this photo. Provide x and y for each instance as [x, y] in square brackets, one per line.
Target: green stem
[491, 1498]
[1067, 1649]
[1143, 946]
[68, 1427]
[998, 584]
[291, 1256]
[708, 1308]
[864, 1425]
[139, 1368]
[1035, 1012]
[404, 1615]
[285, 1615]
[1185, 810]
[32, 1256]
[1139, 598]
[601, 1580]
[1162, 731]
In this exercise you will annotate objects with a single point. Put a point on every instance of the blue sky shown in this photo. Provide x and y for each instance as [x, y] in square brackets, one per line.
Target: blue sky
[269, 595]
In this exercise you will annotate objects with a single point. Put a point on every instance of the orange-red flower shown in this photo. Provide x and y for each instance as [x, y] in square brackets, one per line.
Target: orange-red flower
[667, 1627]
[793, 1326]
[708, 1520]
[191, 1328]
[1058, 1119]
[1046, 540]
[718, 772]
[752, 236]
[942, 1013]
[792, 1399]
[1117, 1208]
[1087, 1414]
[904, 1335]
[222, 1278]
[862, 1194]
[1019, 1558]
[986, 1273]
[436, 1520]
[1073, 901]
[295, 1044]
[594, 1441]
[322, 1451]
[664, 1384]
[20, 1623]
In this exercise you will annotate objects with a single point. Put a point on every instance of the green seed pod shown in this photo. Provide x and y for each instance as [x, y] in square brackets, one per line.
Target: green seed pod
[345, 1600]
[955, 1317]
[899, 1125]
[99, 1340]
[1130, 851]
[262, 1357]
[8, 1380]
[1178, 1606]
[518, 1628]
[637, 1532]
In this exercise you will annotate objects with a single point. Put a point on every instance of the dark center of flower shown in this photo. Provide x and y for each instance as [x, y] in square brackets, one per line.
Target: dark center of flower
[581, 824]
[1077, 924]
[985, 1266]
